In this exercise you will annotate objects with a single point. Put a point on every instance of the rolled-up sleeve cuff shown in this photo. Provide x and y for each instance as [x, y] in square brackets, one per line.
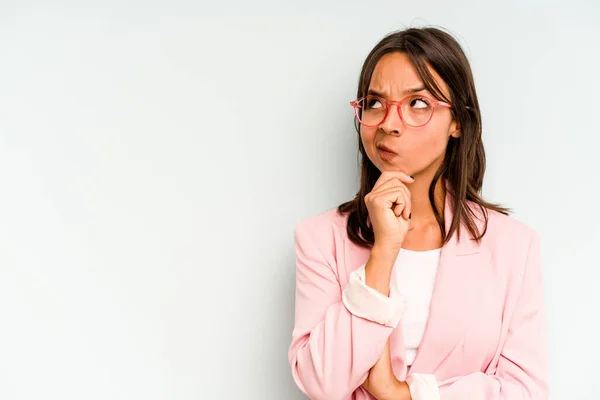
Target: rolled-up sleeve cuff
[423, 387]
[366, 302]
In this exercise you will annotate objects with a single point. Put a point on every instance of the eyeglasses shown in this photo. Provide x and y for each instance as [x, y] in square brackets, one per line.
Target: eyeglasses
[414, 110]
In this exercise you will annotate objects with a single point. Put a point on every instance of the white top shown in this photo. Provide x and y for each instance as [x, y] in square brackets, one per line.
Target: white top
[415, 277]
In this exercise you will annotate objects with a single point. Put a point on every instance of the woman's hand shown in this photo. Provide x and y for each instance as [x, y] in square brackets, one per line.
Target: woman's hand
[390, 209]
[382, 383]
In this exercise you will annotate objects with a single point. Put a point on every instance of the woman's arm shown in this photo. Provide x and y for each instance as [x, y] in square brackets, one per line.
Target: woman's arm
[338, 336]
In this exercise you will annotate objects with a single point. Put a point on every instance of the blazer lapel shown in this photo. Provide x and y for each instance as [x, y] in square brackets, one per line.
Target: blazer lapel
[461, 275]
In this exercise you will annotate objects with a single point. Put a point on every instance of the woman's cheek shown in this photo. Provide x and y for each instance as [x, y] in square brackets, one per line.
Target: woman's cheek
[367, 137]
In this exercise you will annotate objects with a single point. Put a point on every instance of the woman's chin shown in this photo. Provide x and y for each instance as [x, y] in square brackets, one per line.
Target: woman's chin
[392, 167]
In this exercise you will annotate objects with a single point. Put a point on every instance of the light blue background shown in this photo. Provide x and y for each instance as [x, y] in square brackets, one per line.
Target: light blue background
[155, 157]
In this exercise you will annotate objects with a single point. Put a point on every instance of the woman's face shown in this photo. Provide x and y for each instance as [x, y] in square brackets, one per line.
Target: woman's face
[415, 150]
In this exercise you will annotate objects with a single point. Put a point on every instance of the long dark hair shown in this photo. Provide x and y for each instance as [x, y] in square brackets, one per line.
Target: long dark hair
[464, 163]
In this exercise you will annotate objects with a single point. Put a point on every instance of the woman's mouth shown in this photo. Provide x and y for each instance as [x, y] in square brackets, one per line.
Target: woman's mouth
[386, 154]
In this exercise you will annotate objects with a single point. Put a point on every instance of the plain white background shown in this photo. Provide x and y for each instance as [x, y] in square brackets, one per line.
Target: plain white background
[155, 157]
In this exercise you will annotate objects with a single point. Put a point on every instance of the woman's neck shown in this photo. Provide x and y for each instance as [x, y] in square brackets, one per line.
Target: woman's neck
[421, 208]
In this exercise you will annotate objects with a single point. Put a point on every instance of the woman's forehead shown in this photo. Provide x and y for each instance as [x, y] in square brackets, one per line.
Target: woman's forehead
[397, 69]
[395, 75]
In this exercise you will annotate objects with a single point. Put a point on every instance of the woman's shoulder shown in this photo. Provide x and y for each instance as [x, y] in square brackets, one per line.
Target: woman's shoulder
[324, 226]
[509, 230]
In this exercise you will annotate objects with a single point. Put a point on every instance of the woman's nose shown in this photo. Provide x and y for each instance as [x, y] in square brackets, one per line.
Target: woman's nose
[392, 124]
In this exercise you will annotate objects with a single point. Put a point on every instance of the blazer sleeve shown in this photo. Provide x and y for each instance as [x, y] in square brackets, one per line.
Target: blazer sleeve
[522, 371]
[333, 348]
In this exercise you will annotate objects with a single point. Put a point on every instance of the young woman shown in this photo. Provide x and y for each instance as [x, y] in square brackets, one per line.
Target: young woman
[418, 288]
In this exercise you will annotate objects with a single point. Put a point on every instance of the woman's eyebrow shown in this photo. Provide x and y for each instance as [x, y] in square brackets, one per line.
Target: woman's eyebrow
[408, 91]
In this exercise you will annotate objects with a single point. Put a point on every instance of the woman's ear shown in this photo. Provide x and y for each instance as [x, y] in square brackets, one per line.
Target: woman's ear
[454, 130]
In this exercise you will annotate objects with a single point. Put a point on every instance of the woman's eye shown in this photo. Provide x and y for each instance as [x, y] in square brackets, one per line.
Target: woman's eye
[419, 103]
[373, 103]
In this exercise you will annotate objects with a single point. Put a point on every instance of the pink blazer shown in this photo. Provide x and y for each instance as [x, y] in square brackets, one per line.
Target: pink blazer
[486, 333]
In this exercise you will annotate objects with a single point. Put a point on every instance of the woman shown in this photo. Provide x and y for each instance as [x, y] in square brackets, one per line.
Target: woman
[418, 288]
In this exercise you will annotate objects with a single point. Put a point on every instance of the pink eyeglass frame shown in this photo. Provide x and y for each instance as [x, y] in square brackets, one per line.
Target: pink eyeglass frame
[389, 103]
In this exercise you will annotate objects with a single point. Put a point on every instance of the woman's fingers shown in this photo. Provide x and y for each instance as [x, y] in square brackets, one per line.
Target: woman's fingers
[406, 208]
[392, 183]
[396, 198]
[387, 175]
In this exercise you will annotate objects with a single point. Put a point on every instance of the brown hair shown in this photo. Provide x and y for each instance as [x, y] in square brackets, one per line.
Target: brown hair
[464, 162]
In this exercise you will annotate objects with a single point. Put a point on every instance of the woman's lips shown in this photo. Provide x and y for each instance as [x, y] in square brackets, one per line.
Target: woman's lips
[386, 154]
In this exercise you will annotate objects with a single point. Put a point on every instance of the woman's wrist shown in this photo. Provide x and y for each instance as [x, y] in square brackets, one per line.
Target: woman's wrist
[378, 269]
[404, 391]
[400, 391]
[384, 254]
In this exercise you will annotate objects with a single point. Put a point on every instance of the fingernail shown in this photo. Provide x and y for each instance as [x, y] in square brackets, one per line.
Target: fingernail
[409, 215]
[412, 177]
